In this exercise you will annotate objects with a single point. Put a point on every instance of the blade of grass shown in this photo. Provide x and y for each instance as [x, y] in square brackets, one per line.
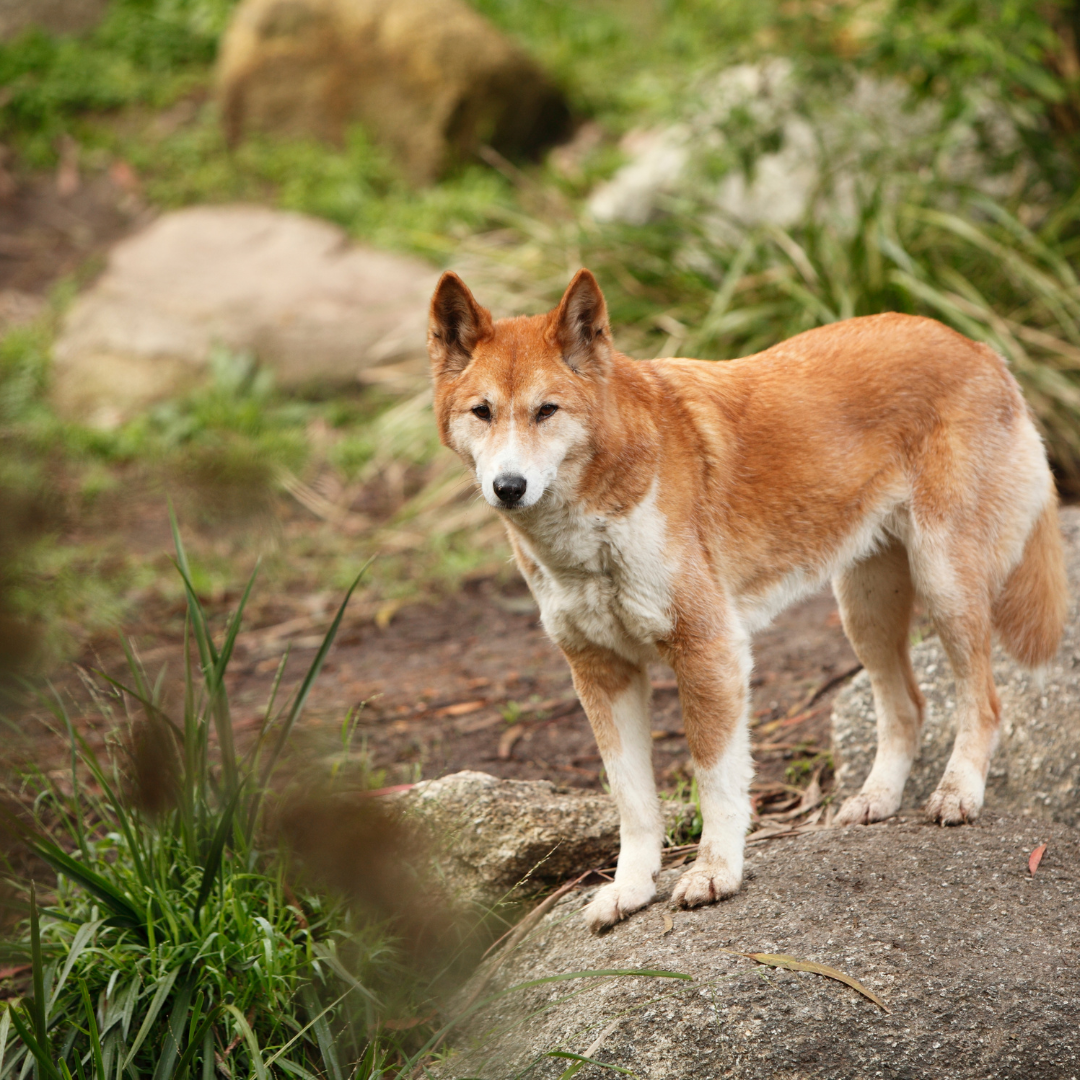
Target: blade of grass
[5, 1030]
[162, 992]
[174, 1031]
[207, 652]
[41, 1056]
[80, 832]
[582, 1061]
[93, 882]
[79, 942]
[95, 1040]
[39, 1006]
[253, 1044]
[312, 674]
[197, 1042]
[213, 857]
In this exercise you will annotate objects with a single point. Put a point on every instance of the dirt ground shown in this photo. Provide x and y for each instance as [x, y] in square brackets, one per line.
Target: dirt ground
[466, 682]
[54, 226]
[471, 681]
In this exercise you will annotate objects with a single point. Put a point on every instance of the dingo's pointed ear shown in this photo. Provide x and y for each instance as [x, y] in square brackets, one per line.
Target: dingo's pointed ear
[456, 323]
[581, 326]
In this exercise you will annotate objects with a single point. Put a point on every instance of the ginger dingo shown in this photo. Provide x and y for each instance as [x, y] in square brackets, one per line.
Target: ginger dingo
[668, 509]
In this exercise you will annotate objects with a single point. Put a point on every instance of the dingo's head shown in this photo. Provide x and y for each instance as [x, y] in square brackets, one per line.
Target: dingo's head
[513, 398]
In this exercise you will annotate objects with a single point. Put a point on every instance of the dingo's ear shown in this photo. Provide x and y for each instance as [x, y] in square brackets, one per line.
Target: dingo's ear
[581, 326]
[456, 323]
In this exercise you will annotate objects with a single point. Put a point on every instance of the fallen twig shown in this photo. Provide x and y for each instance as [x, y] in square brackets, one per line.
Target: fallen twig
[824, 688]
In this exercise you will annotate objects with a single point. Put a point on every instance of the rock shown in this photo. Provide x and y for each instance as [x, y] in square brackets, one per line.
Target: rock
[56, 16]
[289, 290]
[1036, 768]
[975, 960]
[505, 839]
[782, 150]
[431, 79]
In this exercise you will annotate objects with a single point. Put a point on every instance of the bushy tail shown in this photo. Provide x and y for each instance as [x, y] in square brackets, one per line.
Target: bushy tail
[1029, 612]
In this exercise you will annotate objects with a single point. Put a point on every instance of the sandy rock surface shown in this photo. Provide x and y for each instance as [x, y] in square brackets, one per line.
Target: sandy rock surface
[432, 80]
[1036, 768]
[289, 290]
[976, 960]
[503, 838]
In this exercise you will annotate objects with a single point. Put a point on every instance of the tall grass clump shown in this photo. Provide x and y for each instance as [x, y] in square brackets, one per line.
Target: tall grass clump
[173, 942]
[180, 939]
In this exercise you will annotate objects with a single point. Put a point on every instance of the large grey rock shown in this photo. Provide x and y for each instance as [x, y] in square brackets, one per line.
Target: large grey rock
[1036, 768]
[431, 79]
[976, 960]
[505, 839]
[784, 151]
[288, 289]
[57, 16]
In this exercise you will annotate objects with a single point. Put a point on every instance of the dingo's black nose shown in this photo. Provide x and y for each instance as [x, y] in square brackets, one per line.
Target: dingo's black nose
[509, 488]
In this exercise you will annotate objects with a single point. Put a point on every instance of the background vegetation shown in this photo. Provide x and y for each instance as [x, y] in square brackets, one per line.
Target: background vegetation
[999, 265]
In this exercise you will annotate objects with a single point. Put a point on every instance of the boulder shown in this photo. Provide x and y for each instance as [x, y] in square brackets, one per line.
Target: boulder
[974, 958]
[783, 152]
[289, 290]
[56, 16]
[430, 79]
[508, 839]
[1036, 768]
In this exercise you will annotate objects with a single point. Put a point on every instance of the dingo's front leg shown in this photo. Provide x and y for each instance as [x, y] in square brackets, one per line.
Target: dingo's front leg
[616, 694]
[713, 678]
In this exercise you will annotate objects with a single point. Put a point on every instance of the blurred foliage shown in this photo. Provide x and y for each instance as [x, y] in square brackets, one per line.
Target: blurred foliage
[943, 47]
[143, 51]
[137, 90]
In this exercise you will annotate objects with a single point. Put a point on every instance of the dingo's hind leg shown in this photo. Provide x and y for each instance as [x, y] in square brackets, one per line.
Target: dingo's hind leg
[959, 796]
[876, 596]
[953, 572]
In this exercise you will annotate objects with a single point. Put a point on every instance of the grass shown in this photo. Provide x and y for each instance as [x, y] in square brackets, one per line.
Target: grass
[187, 932]
[173, 934]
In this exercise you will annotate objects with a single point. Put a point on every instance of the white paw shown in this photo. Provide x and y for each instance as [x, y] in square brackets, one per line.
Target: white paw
[615, 901]
[868, 806]
[705, 884]
[956, 801]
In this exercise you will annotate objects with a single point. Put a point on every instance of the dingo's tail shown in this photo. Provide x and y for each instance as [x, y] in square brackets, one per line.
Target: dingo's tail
[1029, 612]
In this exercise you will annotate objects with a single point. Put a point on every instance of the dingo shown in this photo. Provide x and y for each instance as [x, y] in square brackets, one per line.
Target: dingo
[670, 508]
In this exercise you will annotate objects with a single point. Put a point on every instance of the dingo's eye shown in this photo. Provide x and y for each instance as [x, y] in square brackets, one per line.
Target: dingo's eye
[546, 410]
[482, 411]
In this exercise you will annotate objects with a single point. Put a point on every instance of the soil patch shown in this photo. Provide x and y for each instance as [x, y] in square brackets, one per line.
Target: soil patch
[471, 681]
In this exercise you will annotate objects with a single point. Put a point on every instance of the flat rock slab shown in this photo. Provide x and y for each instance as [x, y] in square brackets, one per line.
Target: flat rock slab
[1036, 768]
[505, 839]
[288, 290]
[977, 961]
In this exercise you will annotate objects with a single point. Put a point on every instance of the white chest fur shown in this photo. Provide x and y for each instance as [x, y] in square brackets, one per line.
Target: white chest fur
[602, 581]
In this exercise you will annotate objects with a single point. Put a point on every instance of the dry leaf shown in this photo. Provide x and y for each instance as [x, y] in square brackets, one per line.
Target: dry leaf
[387, 612]
[462, 708]
[1036, 858]
[780, 960]
[669, 925]
[506, 743]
